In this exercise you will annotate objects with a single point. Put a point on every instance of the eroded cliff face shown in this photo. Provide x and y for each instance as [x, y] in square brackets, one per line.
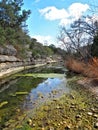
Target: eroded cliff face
[8, 50]
[9, 59]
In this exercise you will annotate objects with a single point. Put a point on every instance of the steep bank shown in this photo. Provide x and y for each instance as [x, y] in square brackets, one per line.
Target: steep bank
[11, 64]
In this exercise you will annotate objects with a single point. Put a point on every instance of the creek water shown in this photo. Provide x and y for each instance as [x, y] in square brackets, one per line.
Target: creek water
[25, 93]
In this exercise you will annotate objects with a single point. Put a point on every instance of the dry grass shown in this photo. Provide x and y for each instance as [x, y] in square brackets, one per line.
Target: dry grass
[89, 69]
[75, 65]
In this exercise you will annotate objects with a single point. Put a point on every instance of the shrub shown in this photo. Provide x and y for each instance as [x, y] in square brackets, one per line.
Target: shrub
[89, 69]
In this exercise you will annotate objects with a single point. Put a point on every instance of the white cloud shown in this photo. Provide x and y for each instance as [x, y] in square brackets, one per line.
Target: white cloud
[52, 13]
[77, 9]
[65, 16]
[45, 40]
[65, 21]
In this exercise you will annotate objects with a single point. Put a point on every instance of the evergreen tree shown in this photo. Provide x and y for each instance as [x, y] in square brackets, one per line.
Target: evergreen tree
[13, 22]
[11, 14]
[94, 48]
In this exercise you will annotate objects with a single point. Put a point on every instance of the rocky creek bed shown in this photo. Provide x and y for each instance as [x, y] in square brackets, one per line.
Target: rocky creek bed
[74, 109]
[77, 110]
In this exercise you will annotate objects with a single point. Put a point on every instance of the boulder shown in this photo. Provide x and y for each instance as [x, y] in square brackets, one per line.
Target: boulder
[5, 58]
[8, 50]
[2, 66]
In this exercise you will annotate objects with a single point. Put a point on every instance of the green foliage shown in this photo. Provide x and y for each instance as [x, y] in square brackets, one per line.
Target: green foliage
[48, 51]
[13, 31]
[58, 50]
[94, 48]
[7, 35]
[53, 48]
[10, 35]
[38, 50]
[21, 51]
[2, 36]
[12, 25]
[25, 127]
[11, 14]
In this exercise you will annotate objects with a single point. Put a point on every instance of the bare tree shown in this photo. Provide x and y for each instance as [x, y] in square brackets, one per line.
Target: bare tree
[78, 38]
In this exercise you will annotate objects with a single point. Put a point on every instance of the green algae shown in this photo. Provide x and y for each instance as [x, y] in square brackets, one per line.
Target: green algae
[18, 93]
[41, 75]
[3, 103]
[21, 93]
[23, 86]
[24, 127]
[68, 112]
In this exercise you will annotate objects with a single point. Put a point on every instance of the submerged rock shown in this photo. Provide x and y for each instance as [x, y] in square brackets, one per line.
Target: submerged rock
[96, 125]
[95, 115]
[90, 113]
[40, 95]
[51, 128]
[78, 116]
[92, 109]
[33, 125]
[67, 127]
[29, 121]
[43, 128]
[18, 110]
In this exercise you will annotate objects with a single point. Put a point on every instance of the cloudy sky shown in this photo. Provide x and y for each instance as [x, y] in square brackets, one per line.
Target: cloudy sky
[48, 15]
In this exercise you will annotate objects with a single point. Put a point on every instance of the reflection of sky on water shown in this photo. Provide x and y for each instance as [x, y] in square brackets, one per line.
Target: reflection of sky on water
[47, 86]
[44, 89]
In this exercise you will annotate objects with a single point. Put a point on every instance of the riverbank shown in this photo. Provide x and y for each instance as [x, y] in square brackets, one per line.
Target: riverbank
[7, 74]
[10, 71]
[89, 71]
[90, 84]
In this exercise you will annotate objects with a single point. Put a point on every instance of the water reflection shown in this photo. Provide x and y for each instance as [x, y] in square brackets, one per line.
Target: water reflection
[39, 91]
[48, 89]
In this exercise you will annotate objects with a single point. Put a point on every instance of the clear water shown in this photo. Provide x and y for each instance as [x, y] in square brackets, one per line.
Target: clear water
[46, 90]
[77, 100]
[39, 90]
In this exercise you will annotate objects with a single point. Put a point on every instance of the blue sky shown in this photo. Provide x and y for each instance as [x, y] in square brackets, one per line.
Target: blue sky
[48, 15]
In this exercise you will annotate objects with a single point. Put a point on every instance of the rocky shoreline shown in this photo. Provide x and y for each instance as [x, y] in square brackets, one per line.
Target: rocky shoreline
[5, 74]
[11, 71]
[11, 64]
[90, 83]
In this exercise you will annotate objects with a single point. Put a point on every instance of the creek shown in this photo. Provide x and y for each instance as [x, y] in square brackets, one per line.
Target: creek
[26, 94]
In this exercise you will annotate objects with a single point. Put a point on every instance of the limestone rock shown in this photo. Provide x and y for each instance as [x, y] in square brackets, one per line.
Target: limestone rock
[8, 50]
